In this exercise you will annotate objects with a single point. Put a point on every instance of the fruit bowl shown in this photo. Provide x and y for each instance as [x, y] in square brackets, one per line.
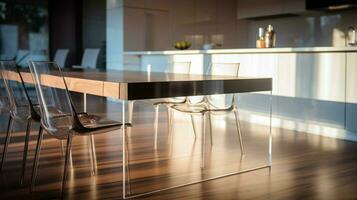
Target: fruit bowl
[182, 45]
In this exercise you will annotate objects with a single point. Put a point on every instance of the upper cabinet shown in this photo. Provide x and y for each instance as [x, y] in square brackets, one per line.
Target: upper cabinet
[250, 9]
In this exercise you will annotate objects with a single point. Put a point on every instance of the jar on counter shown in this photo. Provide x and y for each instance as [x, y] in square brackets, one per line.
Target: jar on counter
[260, 43]
[270, 37]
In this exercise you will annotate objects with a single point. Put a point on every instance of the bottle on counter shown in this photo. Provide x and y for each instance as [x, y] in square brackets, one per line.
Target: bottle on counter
[260, 43]
[351, 36]
[270, 37]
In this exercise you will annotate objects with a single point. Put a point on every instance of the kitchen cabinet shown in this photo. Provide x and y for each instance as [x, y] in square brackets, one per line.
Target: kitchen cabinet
[311, 87]
[262, 8]
[351, 92]
[146, 29]
[319, 76]
[148, 4]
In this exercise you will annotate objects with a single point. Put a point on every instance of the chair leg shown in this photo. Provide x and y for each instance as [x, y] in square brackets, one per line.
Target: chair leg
[130, 111]
[193, 126]
[156, 125]
[93, 155]
[62, 147]
[63, 153]
[203, 143]
[168, 119]
[236, 115]
[210, 128]
[24, 158]
[67, 158]
[7, 141]
[36, 159]
[171, 114]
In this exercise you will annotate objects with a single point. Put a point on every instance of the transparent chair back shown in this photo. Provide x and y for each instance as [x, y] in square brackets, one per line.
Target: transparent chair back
[61, 57]
[178, 68]
[18, 101]
[90, 58]
[4, 100]
[218, 101]
[222, 69]
[54, 99]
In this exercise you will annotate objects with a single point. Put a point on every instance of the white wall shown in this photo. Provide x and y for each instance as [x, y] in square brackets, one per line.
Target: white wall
[115, 34]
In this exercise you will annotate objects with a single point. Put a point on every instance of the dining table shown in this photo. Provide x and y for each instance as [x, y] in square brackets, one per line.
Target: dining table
[129, 86]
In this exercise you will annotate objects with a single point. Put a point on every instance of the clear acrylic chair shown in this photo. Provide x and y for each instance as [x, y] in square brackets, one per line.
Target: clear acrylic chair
[174, 67]
[61, 57]
[89, 59]
[4, 100]
[22, 108]
[214, 104]
[59, 117]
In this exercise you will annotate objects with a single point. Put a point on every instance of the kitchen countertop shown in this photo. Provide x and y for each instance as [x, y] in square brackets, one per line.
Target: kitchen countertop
[248, 50]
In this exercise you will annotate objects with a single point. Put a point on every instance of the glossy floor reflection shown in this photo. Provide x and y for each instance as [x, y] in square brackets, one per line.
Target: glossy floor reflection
[304, 166]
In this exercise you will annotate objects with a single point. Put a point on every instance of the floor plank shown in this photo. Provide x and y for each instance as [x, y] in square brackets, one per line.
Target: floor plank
[304, 166]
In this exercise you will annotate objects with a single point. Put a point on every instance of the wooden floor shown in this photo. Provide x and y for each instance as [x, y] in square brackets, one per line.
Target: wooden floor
[304, 166]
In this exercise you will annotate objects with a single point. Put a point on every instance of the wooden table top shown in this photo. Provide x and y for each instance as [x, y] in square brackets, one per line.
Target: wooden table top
[134, 85]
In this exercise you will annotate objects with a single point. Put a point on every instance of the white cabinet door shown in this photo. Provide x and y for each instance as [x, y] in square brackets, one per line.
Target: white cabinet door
[311, 87]
[146, 29]
[351, 92]
[255, 65]
[318, 76]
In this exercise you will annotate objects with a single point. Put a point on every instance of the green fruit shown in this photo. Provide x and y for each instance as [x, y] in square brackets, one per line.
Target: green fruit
[182, 45]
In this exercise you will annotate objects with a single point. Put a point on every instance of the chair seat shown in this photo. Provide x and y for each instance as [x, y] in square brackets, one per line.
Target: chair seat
[93, 124]
[78, 67]
[170, 101]
[95, 121]
[200, 108]
[190, 108]
[21, 113]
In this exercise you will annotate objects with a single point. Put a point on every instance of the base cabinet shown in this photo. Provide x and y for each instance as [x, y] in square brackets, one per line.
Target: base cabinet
[351, 92]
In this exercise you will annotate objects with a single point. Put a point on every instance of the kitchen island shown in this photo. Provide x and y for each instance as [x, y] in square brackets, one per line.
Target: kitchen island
[313, 87]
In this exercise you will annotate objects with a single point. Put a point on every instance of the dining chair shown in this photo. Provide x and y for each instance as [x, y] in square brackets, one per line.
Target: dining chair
[214, 104]
[4, 100]
[89, 59]
[177, 68]
[61, 57]
[22, 57]
[22, 108]
[59, 117]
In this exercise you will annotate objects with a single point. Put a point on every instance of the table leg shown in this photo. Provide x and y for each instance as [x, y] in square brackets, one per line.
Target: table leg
[270, 131]
[268, 165]
[124, 148]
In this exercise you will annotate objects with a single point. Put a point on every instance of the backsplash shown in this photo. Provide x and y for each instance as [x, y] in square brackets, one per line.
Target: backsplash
[318, 29]
[156, 26]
